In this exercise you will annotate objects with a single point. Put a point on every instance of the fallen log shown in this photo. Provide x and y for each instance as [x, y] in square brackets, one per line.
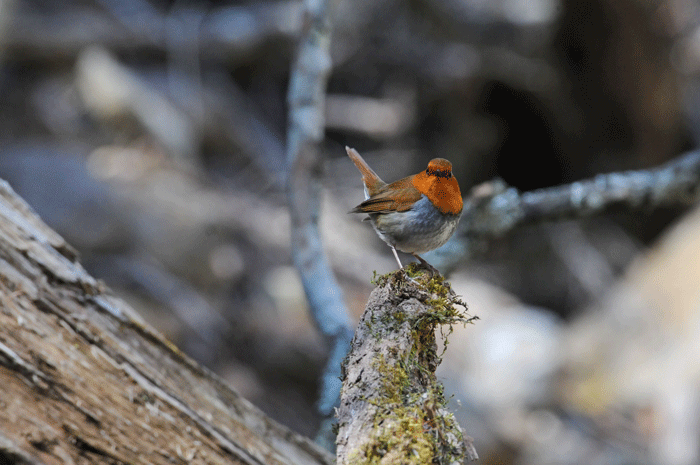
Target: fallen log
[85, 380]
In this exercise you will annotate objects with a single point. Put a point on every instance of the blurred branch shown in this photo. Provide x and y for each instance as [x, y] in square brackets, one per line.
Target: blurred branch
[206, 326]
[138, 16]
[184, 63]
[215, 107]
[111, 90]
[226, 32]
[493, 208]
[232, 116]
[306, 100]
[376, 118]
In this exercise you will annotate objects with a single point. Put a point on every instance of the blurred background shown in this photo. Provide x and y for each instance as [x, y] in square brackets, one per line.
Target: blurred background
[151, 133]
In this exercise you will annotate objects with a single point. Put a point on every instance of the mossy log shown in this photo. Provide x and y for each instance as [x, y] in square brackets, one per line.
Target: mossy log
[85, 380]
[393, 410]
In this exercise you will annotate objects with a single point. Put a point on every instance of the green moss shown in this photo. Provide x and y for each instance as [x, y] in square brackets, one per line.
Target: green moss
[406, 428]
[411, 424]
[413, 270]
[400, 434]
[380, 280]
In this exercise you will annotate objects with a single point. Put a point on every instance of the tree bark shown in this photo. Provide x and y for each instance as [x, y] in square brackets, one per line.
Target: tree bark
[392, 408]
[85, 380]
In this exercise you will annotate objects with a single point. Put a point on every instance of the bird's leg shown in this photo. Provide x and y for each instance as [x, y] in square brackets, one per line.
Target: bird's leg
[396, 255]
[431, 268]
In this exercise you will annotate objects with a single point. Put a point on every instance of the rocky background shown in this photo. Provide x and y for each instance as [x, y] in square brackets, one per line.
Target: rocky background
[151, 135]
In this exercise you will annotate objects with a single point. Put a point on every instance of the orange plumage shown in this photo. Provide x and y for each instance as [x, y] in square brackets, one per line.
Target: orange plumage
[414, 214]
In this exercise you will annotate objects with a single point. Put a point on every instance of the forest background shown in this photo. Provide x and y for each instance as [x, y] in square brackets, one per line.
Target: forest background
[151, 135]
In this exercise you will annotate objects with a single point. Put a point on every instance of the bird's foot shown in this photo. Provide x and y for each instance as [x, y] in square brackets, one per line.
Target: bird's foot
[431, 269]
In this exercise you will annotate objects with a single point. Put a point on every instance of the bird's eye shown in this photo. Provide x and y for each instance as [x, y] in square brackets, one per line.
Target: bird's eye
[438, 172]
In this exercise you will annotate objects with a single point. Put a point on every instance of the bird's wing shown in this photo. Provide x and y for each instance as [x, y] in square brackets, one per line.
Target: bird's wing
[398, 196]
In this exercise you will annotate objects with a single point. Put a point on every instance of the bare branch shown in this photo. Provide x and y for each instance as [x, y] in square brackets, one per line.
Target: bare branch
[494, 208]
[306, 99]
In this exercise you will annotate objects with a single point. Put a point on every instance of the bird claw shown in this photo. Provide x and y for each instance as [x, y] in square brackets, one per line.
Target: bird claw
[431, 269]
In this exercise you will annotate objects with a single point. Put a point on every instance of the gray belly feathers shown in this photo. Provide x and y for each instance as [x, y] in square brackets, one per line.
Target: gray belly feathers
[418, 230]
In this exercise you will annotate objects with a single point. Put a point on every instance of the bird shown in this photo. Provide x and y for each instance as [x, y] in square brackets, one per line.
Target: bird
[415, 214]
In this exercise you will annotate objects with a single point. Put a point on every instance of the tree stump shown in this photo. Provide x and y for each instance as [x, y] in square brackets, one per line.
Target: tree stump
[393, 410]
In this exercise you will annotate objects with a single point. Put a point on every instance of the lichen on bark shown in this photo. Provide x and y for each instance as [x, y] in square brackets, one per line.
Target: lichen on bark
[393, 409]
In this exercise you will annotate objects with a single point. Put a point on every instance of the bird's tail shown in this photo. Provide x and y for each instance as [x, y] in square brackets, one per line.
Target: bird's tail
[372, 182]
